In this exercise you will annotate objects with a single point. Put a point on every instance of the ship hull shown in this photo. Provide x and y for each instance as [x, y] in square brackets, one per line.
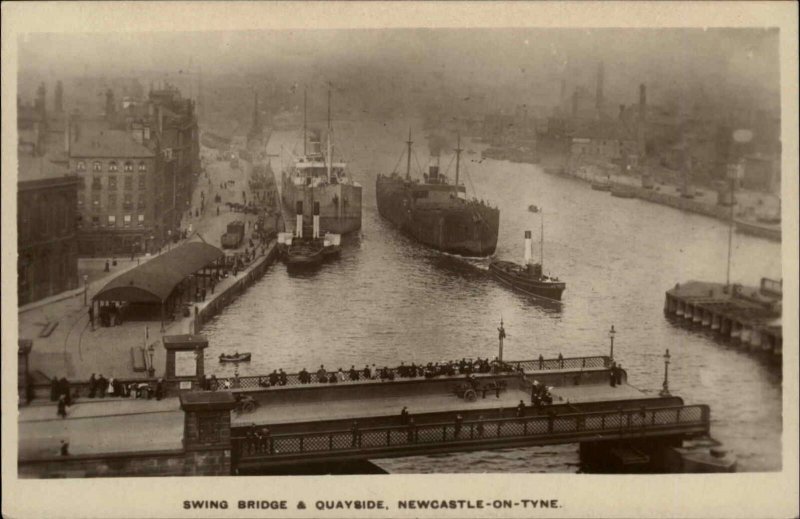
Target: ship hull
[340, 205]
[540, 288]
[465, 229]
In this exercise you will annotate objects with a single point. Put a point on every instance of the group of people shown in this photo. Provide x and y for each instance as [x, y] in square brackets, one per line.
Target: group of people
[100, 387]
[429, 370]
[540, 395]
[258, 440]
[276, 378]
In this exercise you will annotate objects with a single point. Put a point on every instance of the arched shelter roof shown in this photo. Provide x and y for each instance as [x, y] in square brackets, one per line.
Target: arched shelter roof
[154, 281]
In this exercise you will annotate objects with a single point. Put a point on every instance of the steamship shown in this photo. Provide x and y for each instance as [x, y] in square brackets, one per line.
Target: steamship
[315, 179]
[438, 214]
[528, 278]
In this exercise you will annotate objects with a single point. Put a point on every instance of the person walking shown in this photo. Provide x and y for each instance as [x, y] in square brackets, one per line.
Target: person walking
[91, 316]
[64, 449]
[404, 416]
[479, 427]
[62, 406]
[457, 428]
[520, 409]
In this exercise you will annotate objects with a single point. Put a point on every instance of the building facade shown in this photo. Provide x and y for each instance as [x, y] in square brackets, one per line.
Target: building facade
[47, 261]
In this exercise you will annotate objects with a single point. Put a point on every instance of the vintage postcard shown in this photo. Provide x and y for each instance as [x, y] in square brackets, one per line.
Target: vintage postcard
[386, 259]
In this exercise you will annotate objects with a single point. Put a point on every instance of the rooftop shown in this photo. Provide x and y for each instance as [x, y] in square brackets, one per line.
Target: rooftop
[39, 168]
[95, 139]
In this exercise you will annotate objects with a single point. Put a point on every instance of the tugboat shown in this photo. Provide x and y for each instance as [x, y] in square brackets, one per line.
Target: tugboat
[315, 178]
[527, 278]
[436, 213]
[306, 248]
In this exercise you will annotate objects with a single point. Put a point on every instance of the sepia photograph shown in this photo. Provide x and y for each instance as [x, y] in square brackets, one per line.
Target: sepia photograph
[413, 252]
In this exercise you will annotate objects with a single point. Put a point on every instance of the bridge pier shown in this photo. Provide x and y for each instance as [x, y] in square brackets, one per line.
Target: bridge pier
[642, 456]
[207, 432]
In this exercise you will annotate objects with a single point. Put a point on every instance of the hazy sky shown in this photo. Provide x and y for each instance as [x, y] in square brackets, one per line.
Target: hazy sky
[714, 60]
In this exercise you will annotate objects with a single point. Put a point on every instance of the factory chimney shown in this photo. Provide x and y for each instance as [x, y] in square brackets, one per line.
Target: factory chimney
[599, 91]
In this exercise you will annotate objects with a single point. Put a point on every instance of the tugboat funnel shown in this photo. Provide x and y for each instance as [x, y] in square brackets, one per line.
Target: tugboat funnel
[298, 226]
[316, 220]
[528, 247]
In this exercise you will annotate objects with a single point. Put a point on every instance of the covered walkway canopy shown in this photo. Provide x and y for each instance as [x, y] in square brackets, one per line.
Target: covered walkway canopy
[155, 280]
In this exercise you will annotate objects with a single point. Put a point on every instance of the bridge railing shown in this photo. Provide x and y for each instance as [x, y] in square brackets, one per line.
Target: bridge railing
[293, 379]
[617, 422]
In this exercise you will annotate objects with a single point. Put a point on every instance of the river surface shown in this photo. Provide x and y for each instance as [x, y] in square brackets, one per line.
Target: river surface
[389, 299]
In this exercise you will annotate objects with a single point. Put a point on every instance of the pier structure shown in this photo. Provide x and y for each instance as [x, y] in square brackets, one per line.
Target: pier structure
[210, 432]
[750, 316]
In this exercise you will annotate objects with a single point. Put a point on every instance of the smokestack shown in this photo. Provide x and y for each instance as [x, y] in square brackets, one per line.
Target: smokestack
[298, 227]
[575, 103]
[599, 91]
[528, 247]
[316, 220]
[67, 125]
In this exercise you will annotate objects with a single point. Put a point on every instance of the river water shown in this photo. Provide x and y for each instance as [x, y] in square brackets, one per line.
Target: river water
[388, 299]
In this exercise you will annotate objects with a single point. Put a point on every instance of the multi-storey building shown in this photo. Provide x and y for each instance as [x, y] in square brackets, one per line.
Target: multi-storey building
[138, 166]
[47, 261]
[116, 190]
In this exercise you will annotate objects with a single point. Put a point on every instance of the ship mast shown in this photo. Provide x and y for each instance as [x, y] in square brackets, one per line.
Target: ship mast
[458, 160]
[329, 153]
[305, 102]
[408, 160]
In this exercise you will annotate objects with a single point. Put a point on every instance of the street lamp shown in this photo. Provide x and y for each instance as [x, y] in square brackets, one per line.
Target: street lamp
[665, 390]
[85, 288]
[611, 333]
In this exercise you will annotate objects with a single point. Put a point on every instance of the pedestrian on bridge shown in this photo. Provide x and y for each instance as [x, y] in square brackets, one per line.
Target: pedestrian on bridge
[91, 316]
[479, 426]
[62, 406]
[457, 429]
[404, 416]
[520, 409]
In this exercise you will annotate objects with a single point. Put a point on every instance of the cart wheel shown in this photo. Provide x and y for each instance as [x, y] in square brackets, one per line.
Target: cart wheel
[470, 395]
[248, 407]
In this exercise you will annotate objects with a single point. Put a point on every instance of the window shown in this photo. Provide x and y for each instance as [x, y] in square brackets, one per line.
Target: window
[80, 201]
[112, 200]
[128, 201]
[79, 221]
[81, 165]
[140, 202]
[128, 183]
[142, 166]
[96, 166]
[81, 184]
[128, 166]
[95, 221]
[112, 166]
[141, 220]
[126, 220]
[112, 220]
[95, 201]
[142, 181]
[112, 182]
[96, 183]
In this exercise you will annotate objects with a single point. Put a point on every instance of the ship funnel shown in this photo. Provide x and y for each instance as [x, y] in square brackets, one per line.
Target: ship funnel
[315, 219]
[528, 247]
[298, 226]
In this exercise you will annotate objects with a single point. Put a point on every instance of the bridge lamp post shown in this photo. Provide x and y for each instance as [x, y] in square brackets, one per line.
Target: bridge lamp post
[85, 288]
[665, 389]
[611, 333]
[151, 351]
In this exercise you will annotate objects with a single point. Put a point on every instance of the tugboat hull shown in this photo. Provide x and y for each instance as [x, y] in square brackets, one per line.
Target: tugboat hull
[513, 275]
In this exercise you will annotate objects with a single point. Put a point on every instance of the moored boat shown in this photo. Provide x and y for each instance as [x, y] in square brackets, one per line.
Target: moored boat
[622, 191]
[235, 357]
[316, 178]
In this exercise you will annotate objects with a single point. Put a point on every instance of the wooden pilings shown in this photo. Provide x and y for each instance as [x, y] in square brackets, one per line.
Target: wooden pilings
[716, 314]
